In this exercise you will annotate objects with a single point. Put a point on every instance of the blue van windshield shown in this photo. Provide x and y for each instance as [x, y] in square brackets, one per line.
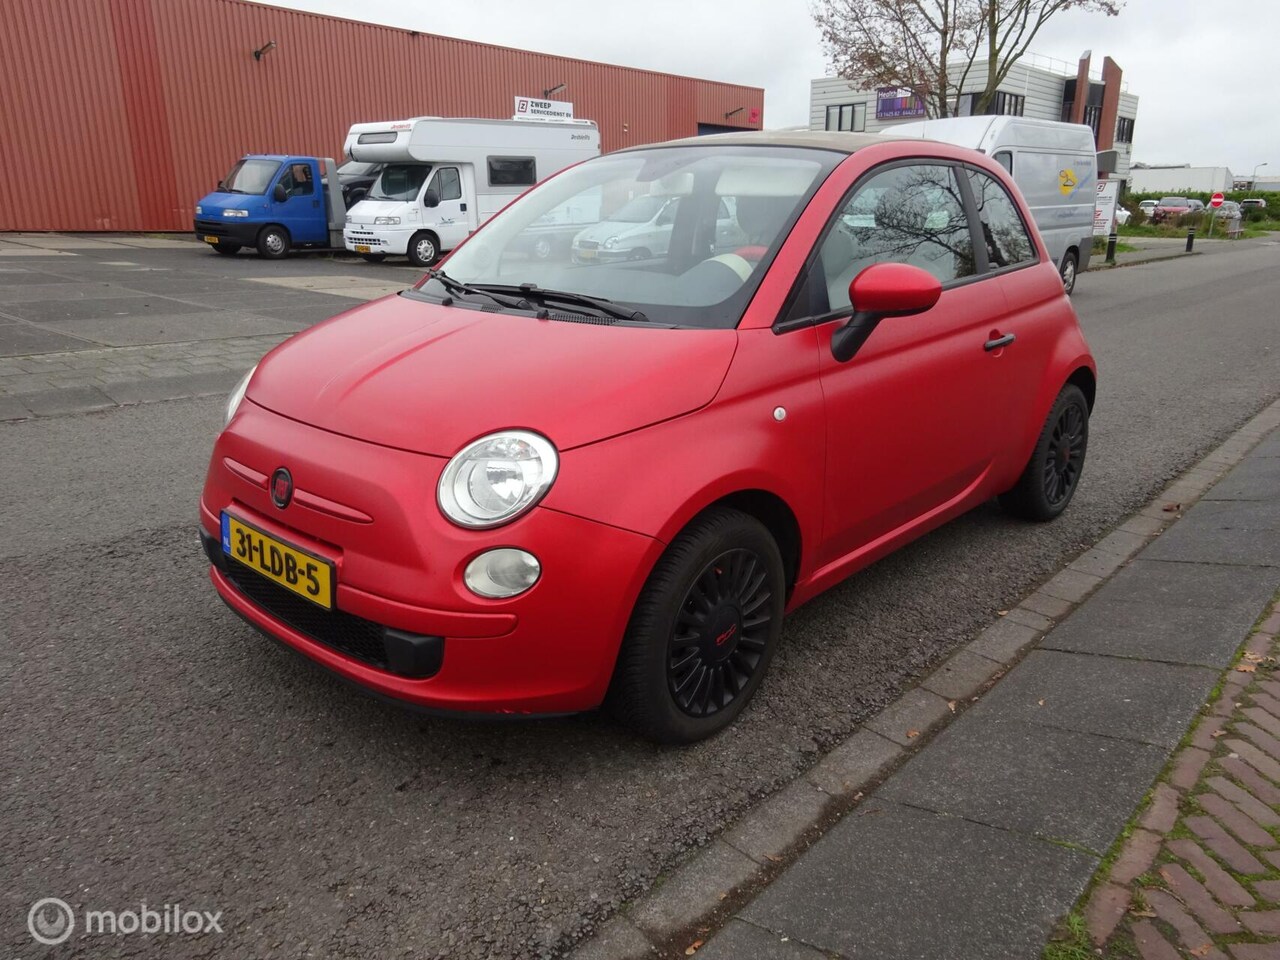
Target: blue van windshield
[251, 176]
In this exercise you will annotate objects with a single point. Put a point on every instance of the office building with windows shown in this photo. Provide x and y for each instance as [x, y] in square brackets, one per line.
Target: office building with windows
[1035, 86]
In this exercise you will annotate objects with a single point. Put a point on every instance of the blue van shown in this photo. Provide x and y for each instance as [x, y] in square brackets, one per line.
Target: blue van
[274, 203]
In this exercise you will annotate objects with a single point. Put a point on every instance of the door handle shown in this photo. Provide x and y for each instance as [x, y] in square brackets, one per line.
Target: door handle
[999, 342]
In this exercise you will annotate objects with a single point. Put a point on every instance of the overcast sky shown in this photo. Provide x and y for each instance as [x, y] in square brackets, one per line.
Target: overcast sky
[1205, 72]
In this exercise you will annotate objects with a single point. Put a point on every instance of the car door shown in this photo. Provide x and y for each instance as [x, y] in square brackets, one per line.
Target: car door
[907, 419]
[301, 212]
[450, 215]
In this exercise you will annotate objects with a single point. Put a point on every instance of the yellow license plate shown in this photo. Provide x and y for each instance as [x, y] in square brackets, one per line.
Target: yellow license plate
[303, 573]
[362, 248]
[208, 239]
[587, 254]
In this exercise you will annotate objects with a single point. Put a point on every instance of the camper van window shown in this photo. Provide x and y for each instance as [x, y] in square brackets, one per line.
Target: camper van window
[512, 172]
[388, 137]
[1007, 240]
[448, 184]
[400, 181]
[251, 176]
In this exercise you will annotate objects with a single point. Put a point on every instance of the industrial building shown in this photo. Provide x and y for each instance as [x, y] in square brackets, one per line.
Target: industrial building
[1034, 87]
[120, 114]
[1179, 179]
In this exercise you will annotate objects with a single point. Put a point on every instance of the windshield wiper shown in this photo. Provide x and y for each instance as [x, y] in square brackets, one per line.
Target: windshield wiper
[458, 287]
[607, 307]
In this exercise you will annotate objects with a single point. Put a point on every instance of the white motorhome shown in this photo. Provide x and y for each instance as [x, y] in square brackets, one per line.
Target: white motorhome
[445, 176]
[1055, 165]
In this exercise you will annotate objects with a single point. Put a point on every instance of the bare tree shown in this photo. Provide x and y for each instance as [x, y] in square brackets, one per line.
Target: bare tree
[917, 44]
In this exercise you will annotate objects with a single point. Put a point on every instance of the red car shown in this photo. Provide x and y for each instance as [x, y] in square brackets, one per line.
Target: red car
[1170, 208]
[533, 486]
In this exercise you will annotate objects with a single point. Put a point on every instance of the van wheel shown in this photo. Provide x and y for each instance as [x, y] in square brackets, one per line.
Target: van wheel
[1070, 265]
[542, 248]
[273, 242]
[1052, 474]
[226, 249]
[703, 631]
[424, 249]
[374, 257]
[640, 254]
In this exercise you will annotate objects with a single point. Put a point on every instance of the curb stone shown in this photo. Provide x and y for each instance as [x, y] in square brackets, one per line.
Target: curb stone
[696, 891]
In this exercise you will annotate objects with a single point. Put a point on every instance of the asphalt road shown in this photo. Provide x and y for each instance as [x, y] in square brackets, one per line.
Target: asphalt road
[156, 749]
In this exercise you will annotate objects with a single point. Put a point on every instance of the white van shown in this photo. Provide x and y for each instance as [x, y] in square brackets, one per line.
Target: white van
[1055, 165]
[446, 176]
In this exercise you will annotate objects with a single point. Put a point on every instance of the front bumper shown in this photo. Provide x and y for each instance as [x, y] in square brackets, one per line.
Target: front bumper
[239, 230]
[380, 239]
[405, 625]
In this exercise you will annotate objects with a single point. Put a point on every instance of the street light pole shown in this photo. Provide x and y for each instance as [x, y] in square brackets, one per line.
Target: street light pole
[1253, 181]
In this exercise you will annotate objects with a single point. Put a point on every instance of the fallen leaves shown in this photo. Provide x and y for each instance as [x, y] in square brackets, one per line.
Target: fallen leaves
[951, 705]
[1246, 668]
[1171, 507]
[1201, 951]
[692, 948]
[1040, 702]
[912, 734]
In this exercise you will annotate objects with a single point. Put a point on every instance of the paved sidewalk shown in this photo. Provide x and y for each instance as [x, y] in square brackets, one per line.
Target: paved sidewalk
[975, 844]
[1199, 872]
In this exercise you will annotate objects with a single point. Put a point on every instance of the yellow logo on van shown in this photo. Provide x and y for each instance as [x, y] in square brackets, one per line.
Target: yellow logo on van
[1067, 181]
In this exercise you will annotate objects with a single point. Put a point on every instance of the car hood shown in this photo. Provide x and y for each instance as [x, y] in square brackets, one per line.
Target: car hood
[602, 231]
[212, 204]
[428, 378]
[366, 211]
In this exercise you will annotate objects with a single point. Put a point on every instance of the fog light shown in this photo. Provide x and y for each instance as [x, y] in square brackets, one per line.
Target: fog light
[502, 573]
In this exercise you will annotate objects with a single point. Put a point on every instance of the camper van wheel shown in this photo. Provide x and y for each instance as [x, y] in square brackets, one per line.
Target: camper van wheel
[374, 257]
[423, 250]
[227, 249]
[273, 242]
[1068, 271]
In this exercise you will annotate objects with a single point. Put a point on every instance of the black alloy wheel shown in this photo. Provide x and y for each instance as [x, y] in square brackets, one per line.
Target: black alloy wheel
[1052, 473]
[1065, 454]
[720, 634]
[703, 630]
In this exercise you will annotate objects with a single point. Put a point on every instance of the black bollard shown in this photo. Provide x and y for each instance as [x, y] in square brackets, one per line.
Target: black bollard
[1111, 248]
[1191, 238]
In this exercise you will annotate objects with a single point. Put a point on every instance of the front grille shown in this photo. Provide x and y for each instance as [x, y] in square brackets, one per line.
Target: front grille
[588, 244]
[356, 637]
[360, 236]
[214, 228]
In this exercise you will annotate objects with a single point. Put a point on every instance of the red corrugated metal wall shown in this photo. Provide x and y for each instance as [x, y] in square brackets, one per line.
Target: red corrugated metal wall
[120, 114]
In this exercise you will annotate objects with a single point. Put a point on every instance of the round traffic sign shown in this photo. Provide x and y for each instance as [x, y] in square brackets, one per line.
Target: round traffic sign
[1216, 200]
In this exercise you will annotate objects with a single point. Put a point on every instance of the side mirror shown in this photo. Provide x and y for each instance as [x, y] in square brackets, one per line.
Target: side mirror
[431, 198]
[279, 193]
[883, 290]
[222, 187]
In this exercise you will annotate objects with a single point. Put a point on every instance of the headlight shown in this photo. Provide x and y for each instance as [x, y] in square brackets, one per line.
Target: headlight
[497, 478]
[233, 401]
[235, 213]
[611, 243]
[505, 572]
[348, 218]
[199, 209]
[386, 221]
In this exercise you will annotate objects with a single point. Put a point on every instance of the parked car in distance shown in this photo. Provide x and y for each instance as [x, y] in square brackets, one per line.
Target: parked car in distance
[641, 230]
[1170, 208]
[1196, 205]
[1253, 203]
[1148, 207]
[1229, 210]
[1122, 215]
[534, 486]
[356, 179]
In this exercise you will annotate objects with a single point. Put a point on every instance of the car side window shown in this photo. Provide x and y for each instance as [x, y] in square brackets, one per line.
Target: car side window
[297, 180]
[1007, 240]
[905, 214]
[448, 184]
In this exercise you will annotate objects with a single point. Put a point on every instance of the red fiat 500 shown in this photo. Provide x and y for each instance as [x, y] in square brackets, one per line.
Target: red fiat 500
[543, 480]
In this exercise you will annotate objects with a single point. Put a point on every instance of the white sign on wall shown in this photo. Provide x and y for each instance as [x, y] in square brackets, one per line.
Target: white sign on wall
[529, 108]
[1104, 207]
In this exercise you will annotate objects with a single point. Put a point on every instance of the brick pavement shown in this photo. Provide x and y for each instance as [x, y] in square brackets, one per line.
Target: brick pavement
[1199, 874]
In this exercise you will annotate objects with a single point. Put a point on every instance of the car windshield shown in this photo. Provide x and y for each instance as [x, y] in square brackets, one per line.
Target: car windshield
[354, 168]
[400, 181]
[251, 176]
[1175, 202]
[682, 234]
[639, 210]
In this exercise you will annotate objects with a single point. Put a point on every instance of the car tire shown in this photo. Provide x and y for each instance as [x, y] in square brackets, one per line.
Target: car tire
[1068, 270]
[543, 248]
[373, 257]
[703, 631]
[423, 249]
[273, 242]
[640, 253]
[1052, 475]
[226, 249]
